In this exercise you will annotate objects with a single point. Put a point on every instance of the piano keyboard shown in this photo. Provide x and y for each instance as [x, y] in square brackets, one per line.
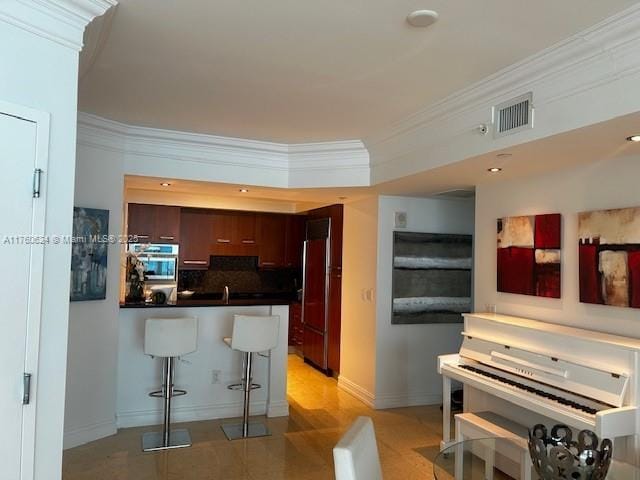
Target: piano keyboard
[533, 390]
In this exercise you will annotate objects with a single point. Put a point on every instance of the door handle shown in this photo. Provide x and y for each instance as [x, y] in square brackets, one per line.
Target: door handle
[26, 388]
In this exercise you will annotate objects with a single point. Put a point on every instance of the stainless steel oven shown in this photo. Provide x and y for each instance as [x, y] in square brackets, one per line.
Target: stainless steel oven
[160, 260]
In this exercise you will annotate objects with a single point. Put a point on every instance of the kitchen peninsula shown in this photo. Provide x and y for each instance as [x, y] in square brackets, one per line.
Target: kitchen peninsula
[205, 373]
[211, 265]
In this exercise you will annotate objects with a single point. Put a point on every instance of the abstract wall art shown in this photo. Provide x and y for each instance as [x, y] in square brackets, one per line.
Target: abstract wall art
[431, 277]
[529, 255]
[89, 254]
[609, 257]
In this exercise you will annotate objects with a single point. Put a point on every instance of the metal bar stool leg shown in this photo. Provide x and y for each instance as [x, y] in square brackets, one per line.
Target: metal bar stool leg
[246, 429]
[168, 438]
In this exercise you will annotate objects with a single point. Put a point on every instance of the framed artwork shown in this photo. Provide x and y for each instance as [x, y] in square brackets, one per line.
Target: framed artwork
[89, 254]
[431, 277]
[529, 256]
[609, 257]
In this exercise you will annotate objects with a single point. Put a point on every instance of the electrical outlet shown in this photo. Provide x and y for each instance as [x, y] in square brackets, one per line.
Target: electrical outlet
[215, 376]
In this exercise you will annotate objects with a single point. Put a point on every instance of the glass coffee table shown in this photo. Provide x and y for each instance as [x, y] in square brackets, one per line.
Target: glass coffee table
[500, 459]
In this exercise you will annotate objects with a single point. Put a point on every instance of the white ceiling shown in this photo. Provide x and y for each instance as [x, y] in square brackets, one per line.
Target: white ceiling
[601, 142]
[299, 71]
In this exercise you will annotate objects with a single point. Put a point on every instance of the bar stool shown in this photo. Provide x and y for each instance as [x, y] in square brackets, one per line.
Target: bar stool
[168, 338]
[251, 334]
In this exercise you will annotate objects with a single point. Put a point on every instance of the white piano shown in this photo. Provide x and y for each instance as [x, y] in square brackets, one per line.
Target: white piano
[532, 371]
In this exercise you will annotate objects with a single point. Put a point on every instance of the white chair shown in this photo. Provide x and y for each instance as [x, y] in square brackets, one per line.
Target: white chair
[251, 334]
[356, 455]
[168, 338]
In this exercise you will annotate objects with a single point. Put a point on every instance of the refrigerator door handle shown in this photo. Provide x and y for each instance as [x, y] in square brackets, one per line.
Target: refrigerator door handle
[304, 277]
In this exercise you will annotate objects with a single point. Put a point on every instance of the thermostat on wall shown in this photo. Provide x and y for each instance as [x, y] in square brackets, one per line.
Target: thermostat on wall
[401, 219]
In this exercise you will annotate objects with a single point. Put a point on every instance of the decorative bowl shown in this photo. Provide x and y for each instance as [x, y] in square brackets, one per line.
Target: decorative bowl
[559, 457]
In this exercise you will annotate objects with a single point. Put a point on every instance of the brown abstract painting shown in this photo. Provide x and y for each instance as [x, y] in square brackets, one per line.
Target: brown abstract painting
[529, 255]
[609, 257]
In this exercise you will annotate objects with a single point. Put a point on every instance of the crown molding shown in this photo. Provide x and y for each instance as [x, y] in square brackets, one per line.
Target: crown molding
[344, 163]
[593, 57]
[95, 37]
[61, 21]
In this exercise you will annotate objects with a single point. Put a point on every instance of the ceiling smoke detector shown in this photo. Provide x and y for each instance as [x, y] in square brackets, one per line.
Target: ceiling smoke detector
[422, 18]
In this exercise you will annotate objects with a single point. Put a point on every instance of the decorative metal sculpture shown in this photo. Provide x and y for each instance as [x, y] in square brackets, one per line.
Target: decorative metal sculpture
[559, 457]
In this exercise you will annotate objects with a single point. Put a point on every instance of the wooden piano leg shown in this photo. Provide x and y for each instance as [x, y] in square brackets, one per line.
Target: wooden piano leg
[446, 412]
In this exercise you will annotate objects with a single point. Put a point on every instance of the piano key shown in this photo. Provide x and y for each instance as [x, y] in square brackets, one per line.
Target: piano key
[530, 389]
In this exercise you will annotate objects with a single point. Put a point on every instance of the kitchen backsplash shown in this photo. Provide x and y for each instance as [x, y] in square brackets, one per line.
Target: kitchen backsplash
[240, 274]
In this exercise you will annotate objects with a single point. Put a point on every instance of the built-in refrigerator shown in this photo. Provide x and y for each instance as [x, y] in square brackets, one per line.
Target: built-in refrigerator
[315, 292]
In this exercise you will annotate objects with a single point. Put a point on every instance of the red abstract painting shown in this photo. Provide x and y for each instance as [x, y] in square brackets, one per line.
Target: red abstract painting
[529, 255]
[609, 257]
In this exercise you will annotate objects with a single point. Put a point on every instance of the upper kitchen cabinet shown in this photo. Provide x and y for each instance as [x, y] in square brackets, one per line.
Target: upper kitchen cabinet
[234, 233]
[271, 231]
[294, 240]
[245, 229]
[196, 228]
[154, 223]
[222, 228]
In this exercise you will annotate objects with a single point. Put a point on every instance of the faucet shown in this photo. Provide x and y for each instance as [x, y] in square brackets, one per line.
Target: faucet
[225, 295]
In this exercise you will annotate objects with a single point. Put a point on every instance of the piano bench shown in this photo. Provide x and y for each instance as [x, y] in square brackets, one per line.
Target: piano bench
[470, 426]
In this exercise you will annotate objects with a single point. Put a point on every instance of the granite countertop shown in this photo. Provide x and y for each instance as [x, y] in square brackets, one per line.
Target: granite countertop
[240, 302]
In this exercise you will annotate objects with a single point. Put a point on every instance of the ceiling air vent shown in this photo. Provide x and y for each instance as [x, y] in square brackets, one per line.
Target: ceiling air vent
[513, 115]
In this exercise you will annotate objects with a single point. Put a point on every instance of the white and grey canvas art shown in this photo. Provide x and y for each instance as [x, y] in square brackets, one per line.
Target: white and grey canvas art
[89, 254]
[431, 277]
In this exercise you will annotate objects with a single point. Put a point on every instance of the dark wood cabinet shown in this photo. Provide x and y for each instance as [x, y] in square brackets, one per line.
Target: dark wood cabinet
[245, 229]
[167, 224]
[141, 221]
[294, 240]
[296, 329]
[271, 240]
[196, 228]
[234, 233]
[154, 223]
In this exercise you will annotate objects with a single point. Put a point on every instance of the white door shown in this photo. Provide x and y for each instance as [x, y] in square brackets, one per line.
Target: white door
[20, 290]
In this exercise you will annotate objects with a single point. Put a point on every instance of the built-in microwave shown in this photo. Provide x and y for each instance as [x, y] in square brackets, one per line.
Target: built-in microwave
[160, 260]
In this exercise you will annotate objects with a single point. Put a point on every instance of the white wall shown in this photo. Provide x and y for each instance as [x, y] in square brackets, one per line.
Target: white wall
[93, 325]
[406, 354]
[358, 330]
[41, 74]
[602, 185]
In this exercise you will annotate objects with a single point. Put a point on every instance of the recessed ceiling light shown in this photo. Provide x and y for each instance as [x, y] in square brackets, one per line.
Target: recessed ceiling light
[422, 18]
[634, 138]
[165, 184]
[494, 169]
[244, 190]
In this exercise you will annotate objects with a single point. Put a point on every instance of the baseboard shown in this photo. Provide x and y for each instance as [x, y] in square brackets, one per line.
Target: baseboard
[394, 400]
[352, 388]
[89, 433]
[142, 418]
[280, 409]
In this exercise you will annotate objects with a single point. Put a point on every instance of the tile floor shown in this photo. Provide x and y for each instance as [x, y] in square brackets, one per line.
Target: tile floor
[300, 448]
